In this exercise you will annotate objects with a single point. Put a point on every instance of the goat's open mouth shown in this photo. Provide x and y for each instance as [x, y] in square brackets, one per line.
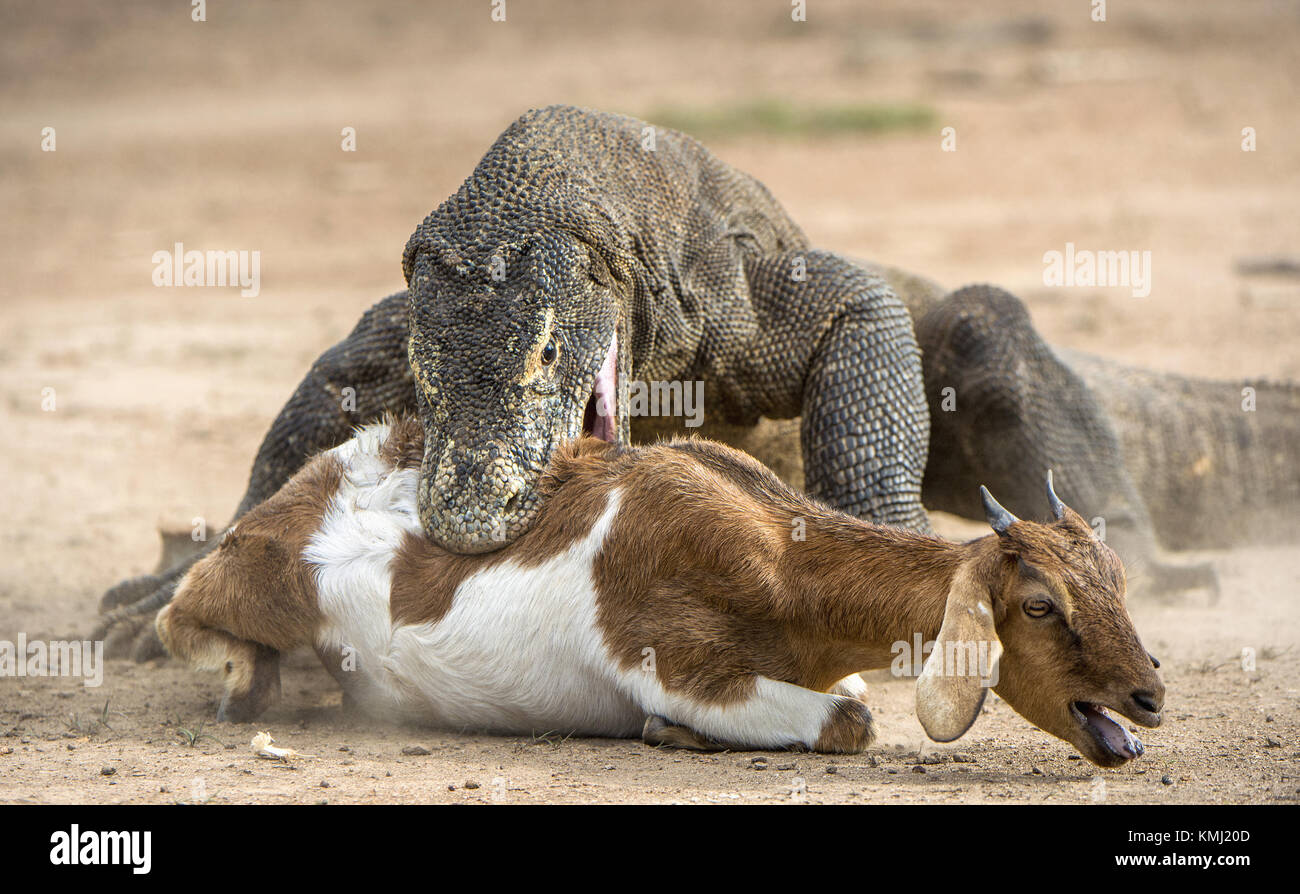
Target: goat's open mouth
[600, 416]
[1112, 737]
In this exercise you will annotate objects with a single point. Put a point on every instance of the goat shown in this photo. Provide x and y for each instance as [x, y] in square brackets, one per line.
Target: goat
[679, 591]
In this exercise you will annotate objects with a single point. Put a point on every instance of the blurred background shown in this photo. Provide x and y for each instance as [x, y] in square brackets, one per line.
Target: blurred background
[226, 134]
[128, 406]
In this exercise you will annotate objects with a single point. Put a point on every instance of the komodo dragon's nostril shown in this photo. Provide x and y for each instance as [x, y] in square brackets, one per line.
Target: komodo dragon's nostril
[514, 487]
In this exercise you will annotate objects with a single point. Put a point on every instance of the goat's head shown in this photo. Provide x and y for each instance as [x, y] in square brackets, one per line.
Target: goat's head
[1050, 600]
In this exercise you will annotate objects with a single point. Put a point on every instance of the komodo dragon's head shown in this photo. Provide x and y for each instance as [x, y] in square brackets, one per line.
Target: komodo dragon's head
[513, 351]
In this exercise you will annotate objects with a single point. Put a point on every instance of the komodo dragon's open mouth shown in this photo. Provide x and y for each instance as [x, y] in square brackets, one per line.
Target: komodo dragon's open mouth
[600, 418]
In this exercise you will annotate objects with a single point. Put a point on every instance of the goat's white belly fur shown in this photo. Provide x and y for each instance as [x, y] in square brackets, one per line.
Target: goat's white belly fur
[518, 651]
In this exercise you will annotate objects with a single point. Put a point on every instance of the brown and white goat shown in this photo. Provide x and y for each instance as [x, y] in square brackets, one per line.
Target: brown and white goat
[679, 591]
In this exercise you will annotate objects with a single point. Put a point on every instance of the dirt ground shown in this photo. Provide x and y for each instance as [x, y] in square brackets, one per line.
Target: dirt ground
[226, 134]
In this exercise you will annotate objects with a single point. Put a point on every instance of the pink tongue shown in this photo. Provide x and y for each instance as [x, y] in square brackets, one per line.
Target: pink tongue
[605, 424]
[1120, 740]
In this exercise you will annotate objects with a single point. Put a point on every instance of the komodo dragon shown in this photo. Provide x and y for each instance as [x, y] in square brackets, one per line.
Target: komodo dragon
[587, 251]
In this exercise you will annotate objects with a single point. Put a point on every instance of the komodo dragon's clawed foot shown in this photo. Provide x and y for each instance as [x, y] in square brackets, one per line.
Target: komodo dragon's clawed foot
[127, 610]
[117, 629]
[129, 591]
[128, 631]
[147, 646]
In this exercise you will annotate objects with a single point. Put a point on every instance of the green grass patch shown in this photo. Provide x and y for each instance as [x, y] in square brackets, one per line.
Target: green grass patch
[777, 117]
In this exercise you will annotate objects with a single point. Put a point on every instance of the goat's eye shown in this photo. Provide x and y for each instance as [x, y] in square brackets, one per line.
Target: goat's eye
[550, 352]
[1038, 608]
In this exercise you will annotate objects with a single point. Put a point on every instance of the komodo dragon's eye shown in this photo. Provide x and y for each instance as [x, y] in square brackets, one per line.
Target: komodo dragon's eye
[550, 352]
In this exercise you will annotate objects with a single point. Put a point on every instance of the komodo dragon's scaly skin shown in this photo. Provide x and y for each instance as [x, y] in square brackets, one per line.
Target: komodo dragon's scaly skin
[1003, 404]
[1213, 472]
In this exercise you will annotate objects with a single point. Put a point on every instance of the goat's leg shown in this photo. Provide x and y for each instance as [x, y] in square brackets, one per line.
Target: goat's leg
[352, 383]
[775, 715]
[222, 621]
[250, 671]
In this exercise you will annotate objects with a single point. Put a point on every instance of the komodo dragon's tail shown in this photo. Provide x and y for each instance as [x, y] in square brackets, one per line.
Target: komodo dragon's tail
[1217, 463]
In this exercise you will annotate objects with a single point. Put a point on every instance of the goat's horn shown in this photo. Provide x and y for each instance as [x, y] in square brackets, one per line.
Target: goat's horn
[1058, 508]
[999, 519]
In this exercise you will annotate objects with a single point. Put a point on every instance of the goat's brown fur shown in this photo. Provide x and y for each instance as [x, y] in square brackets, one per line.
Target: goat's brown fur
[702, 565]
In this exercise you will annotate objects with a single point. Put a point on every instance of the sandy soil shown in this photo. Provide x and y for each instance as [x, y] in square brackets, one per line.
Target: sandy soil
[1124, 134]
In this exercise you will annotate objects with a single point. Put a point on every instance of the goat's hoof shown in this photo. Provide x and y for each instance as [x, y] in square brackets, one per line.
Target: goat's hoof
[240, 709]
[849, 730]
[350, 707]
[263, 689]
[658, 731]
[235, 710]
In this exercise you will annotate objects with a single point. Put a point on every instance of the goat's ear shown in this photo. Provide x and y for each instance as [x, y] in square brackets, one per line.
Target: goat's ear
[948, 698]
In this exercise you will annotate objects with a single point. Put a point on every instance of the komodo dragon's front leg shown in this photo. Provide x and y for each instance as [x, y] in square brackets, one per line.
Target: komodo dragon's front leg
[837, 348]
[322, 412]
